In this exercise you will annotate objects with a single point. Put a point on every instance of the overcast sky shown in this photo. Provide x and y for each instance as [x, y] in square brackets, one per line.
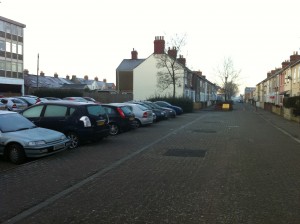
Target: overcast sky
[92, 37]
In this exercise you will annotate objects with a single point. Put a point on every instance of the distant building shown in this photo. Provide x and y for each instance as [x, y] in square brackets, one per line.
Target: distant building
[249, 94]
[55, 82]
[11, 57]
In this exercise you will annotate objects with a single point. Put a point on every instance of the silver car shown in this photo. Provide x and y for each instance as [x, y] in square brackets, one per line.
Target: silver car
[14, 104]
[143, 115]
[20, 138]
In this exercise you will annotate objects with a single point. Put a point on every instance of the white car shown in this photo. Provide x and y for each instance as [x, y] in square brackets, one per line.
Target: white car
[20, 138]
[143, 115]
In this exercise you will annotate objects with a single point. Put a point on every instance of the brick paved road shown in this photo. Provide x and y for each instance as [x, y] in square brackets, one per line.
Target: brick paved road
[234, 167]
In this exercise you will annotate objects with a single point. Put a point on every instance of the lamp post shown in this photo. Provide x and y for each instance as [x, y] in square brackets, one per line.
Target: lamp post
[225, 89]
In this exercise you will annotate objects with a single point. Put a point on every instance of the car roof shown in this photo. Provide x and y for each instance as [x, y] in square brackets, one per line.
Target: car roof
[7, 112]
[66, 102]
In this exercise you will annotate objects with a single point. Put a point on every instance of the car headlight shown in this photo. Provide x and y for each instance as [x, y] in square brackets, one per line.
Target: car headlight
[63, 137]
[35, 143]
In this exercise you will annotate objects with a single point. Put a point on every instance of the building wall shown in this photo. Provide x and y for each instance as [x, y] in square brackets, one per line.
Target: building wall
[145, 81]
[11, 54]
[124, 81]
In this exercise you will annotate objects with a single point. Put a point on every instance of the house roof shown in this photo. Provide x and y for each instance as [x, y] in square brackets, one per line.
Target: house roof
[129, 64]
[44, 81]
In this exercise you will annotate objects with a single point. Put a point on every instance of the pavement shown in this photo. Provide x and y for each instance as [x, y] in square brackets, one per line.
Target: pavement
[239, 166]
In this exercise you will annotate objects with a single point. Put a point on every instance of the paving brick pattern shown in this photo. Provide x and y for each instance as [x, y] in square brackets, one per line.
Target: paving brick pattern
[249, 174]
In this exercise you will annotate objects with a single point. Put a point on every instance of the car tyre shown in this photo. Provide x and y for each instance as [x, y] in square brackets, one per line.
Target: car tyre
[74, 140]
[114, 129]
[137, 123]
[16, 154]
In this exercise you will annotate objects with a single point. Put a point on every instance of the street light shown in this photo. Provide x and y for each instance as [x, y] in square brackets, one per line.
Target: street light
[225, 89]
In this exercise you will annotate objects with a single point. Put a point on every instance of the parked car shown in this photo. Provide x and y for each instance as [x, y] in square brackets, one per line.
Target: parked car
[178, 110]
[161, 114]
[29, 100]
[14, 104]
[121, 118]
[52, 98]
[20, 138]
[90, 99]
[171, 113]
[76, 99]
[2, 106]
[77, 120]
[143, 115]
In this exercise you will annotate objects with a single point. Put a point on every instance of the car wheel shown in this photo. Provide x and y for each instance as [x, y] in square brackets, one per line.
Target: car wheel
[114, 129]
[16, 154]
[137, 123]
[74, 140]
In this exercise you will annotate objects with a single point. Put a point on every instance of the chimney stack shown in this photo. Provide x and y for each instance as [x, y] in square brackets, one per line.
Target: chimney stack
[134, 54]
[73, 77]
[295, 57]
[42, 74]
[55, 75]
[104, 80]
[67, 77]
[86, 77]
[284, 64]
[172, 52]
[96, 79]
[159, 45]
[181, 60]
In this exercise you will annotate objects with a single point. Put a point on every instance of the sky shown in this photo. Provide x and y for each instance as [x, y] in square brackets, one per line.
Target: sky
[92, 37]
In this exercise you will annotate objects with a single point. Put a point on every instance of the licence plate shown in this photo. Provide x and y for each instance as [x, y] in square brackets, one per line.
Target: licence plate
[56, 147]
[100, 122]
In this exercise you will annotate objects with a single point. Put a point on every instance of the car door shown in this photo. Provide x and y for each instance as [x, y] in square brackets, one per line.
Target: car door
[34, 114]
[54, 117]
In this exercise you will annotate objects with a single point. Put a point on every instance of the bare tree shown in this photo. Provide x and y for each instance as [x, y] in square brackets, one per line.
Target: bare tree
[169, 69]
[228, 77]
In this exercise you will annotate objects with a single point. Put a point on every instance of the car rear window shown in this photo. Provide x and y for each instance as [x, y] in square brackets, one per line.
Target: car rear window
[126, 110]
[96, 110]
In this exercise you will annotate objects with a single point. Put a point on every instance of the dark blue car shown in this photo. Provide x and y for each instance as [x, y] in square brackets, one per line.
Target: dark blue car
[177, 109]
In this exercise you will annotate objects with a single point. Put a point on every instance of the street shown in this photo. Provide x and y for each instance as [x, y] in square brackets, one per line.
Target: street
[239, 166]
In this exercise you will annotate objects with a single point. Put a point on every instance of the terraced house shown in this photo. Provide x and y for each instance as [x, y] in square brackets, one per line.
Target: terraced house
[140, 76]
[11, 57]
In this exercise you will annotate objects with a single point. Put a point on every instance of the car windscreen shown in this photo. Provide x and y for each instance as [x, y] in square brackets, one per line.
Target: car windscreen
[96, 110]
[14, 122]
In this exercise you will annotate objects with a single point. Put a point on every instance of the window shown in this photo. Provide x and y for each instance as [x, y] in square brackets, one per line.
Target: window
[20, 67]
[33, 112]
[20, 31]
[2, 26]
[2, 65]
[55, 111]
[8, 66]
[2, 45]
[14, 48]
[8, 47]
[20, 49]
[7, 27]
[14, 29]
[96, 110]
[14, 66]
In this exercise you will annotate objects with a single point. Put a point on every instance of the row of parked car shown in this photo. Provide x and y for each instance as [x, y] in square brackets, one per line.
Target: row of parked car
[50, 125]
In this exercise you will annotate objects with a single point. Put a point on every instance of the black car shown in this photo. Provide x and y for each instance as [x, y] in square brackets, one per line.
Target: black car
[178, 110]
[78, 121]
[121, 118]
